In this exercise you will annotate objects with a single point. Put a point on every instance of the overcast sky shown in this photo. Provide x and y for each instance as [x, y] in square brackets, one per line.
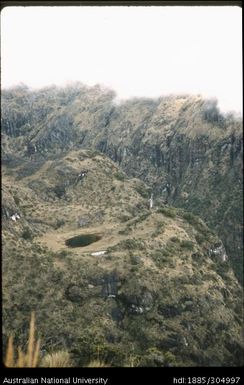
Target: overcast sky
[137, 51]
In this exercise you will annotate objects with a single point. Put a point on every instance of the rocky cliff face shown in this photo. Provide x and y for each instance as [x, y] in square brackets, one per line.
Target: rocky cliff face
[189, 160]
[182, 147]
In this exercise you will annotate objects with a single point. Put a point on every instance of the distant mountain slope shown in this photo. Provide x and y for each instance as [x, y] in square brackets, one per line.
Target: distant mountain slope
[182, 147]
[154, 288]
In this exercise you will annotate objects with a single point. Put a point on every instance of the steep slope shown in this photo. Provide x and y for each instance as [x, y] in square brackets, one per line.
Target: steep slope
[182, 147]
[154, 288]
[190, 158]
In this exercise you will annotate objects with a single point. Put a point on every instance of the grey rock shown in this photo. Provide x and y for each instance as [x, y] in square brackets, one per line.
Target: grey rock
[170, 311]
[109, 286]
[117, 314]
[82, 222]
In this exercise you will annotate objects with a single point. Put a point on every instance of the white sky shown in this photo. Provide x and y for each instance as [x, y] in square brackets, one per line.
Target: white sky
[137, 51]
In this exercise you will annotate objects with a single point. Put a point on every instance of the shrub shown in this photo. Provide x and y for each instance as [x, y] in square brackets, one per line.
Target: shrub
[197, 257]
[187, 244]
[119, 176]
[142, 191]
[16, 200]
[153, 358]
[129, 244]
[135, 259]
[59, 223]
[59, 190]
[167, 211]
[134, 269]
[132, 361]
[124, 218]
[27, 234]
[200, 239]
[197, 223]
[175, 239]
[170, 359]
[63, 253]
[191, 218]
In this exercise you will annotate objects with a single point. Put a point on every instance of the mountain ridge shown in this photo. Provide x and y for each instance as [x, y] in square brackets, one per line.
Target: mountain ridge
[99, 233]
[188, 153]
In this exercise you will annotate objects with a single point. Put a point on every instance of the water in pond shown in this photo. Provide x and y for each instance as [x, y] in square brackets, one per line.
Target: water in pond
[82, 240]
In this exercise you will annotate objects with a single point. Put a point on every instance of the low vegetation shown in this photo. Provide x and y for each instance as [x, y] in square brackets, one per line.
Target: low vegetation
[154, 288]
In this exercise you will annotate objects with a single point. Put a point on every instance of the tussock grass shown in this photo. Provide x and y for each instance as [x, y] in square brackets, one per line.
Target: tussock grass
[97, 364]
[60, 359]
[22, 359]
[133, 361]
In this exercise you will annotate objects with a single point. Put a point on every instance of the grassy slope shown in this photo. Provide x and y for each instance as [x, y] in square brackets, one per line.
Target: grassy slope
[156, 297]
[183, 141]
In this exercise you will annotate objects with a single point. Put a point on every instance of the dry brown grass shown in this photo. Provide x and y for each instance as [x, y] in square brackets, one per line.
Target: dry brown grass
[97, 364]
[22, 359]
[133, 361]
[60, 359]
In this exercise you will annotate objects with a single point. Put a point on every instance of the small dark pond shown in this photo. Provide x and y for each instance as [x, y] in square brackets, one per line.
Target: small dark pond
[82, 240]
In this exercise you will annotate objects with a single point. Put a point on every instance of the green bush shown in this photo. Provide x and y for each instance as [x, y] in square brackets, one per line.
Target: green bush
[200, 239]
[16, 200]
[191, 218]
[135, 259]
[197, 224]
[119, 176]
[59, 223]
[142, 191]
[124, 218]
[59, 190]
[167, 211]
[27, 234]
[63, 253]
[198, 258]
[134, 269]
[129, 244]
[174, 239]
[185, 244]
